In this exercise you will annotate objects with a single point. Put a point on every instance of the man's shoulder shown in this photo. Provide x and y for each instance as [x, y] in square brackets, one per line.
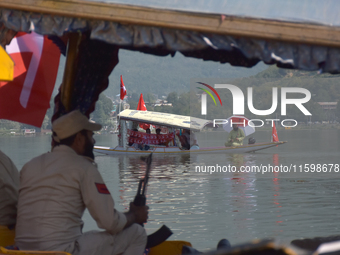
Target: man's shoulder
[51, 163]
[4, 158]
[2, 154]
[63, 155]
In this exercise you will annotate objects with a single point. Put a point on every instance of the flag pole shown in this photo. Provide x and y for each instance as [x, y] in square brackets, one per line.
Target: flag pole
[120, 103]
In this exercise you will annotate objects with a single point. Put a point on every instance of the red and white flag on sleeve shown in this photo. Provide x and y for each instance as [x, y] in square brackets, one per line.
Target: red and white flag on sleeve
[27, 98]
[122, 89]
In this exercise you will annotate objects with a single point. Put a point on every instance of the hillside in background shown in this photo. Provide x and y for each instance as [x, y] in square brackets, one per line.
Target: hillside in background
[323, 88]
[144, 73]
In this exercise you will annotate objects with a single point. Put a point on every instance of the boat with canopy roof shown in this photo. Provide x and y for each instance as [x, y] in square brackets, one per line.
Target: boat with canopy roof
[173, 124]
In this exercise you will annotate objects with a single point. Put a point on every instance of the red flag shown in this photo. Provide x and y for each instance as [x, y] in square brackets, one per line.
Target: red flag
[275, 138]
[27, 98]
[142, 107]
[122, 89]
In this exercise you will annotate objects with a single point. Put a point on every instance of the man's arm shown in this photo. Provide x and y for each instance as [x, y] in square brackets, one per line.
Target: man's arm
[99, 202]
[242, 135]
[230, 136]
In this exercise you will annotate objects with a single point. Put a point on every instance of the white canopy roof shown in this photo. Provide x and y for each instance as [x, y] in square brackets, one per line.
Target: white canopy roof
[165, 119]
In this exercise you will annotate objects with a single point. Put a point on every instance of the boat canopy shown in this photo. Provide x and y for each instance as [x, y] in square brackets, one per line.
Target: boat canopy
[165, 119]
[302, 34]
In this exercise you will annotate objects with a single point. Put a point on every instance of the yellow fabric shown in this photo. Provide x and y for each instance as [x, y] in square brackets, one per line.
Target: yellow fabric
[169, 248]
[5, 251]
[6, 236]
[6, 66]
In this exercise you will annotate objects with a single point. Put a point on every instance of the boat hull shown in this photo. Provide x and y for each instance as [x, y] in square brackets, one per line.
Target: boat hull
[175, 150]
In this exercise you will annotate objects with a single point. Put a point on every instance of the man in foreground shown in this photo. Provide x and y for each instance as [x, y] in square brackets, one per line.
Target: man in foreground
[235, 137]
[9, 185]
[56, 188]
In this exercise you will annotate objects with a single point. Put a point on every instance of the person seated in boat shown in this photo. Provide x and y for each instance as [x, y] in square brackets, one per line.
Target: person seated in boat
[158, 132]
[144, 146]
[9, 186]
[177, 141]
[188, 139]
[185, 139]
[169, 141]
[235, 137]
[57, 187]
[193, 139]
[135, 145]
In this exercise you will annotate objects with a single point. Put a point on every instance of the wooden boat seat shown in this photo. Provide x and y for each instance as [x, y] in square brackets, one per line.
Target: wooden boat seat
[6, 236]
[4, 251]
[169, 248]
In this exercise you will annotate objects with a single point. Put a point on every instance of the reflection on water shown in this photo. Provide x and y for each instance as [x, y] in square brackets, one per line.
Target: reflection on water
[202, 208]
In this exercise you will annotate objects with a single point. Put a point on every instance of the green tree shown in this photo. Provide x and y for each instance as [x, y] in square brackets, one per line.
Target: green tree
[46, 122]
[163, 108]
[133, 105]
[8, 124]
[172, 98]
[103, 110]
[150, 98]
[134, 97]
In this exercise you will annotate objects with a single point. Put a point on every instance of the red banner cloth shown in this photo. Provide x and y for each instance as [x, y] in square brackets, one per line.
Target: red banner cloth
[27, 98]
[143, 138]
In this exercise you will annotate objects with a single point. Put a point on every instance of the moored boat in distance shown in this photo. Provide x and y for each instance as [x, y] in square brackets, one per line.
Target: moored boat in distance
[172, 122]
[28, 131]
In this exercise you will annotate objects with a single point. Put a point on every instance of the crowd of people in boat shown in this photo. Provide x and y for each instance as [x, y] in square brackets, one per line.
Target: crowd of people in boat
[183, 138]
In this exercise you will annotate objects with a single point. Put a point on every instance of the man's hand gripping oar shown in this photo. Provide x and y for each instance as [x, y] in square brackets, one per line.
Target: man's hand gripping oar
[140, 200]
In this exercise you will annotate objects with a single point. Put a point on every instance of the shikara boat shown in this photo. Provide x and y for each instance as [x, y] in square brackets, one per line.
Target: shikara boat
[172, 122]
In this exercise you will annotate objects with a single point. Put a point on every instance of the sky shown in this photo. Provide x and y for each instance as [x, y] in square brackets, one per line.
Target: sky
[311, 11]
